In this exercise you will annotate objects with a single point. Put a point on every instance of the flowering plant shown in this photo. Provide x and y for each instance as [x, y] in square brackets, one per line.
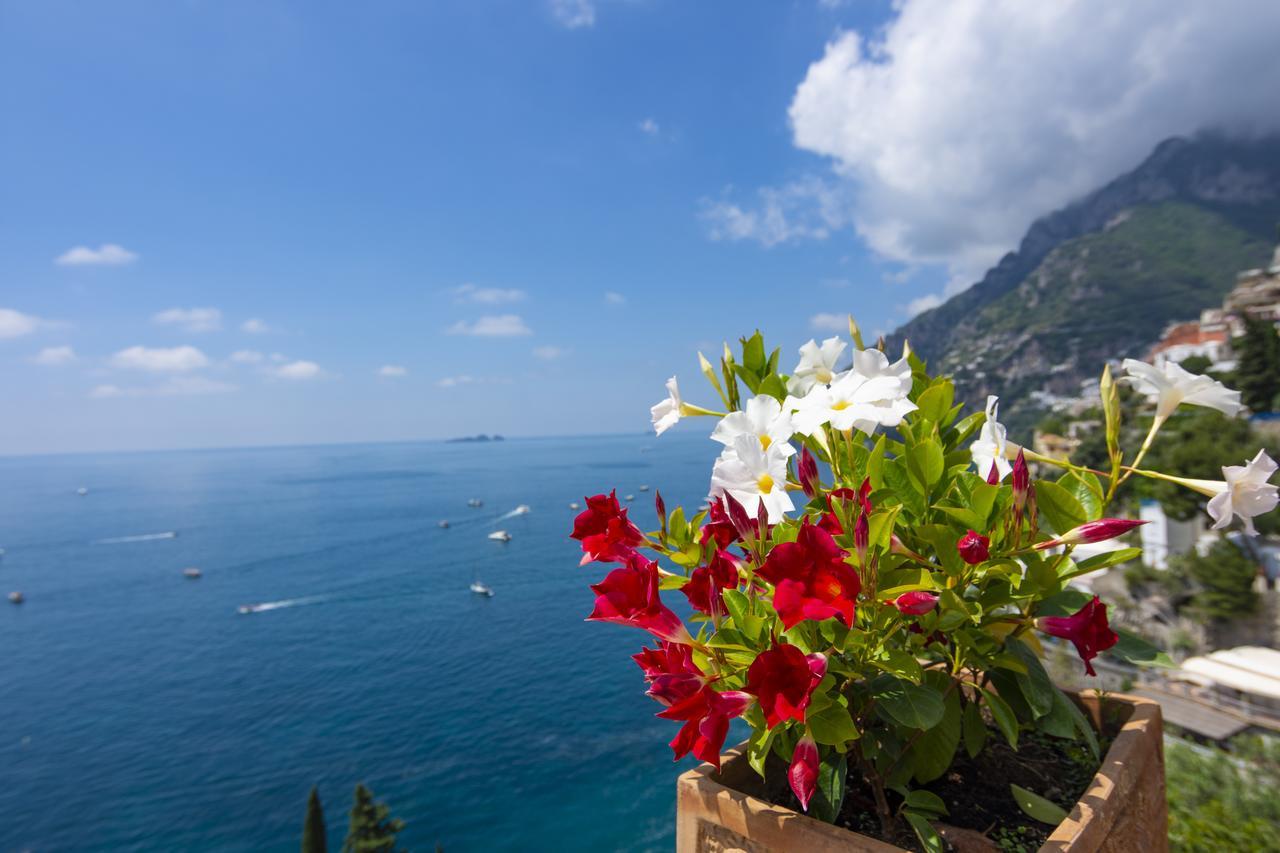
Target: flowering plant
[872, 569]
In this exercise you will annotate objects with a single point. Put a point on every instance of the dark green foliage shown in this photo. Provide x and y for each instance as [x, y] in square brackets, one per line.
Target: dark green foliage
[1220, 800]
[1258, 371]
[1222, 580]
[313, 832]
[371, 828]
[1196, 443]
[1196, 364]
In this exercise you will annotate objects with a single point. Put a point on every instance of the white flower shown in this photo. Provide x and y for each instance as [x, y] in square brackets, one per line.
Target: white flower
[666, 414]
[1172, 386]
[817, 365]
[764, 419]
[1246, 493]
[991, 444]
[753, 475]
[873, 393]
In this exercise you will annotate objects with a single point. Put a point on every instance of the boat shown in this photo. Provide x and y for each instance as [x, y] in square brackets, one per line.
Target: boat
[523, 509]
[644, 488]
[629, 498]
[500, 536]
[245, 609]
[444, 525]
[480, 589]
[475, 502]
[192, 573]
[16, 597]
[82, 491]
[575, 505]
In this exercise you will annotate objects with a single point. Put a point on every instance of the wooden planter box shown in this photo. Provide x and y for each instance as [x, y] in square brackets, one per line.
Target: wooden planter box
[1123, 810]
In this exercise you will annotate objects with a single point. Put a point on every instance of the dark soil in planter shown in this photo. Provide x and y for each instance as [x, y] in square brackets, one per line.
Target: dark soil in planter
[976, 790]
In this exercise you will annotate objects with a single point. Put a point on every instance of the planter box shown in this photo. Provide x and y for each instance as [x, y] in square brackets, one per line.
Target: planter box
[1123, 809]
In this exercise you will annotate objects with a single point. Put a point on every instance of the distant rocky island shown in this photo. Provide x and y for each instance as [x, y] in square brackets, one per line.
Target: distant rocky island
[481, 437]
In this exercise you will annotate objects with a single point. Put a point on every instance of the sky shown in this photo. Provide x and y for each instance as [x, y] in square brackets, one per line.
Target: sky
[269, 222]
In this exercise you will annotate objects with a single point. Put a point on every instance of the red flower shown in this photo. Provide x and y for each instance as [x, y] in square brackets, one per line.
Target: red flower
[830, 521]
[916, 603]
[604, 531]
[783, 679]
[720, 573]
[1093, 531]
[974, 548]
[687, 694]
[1087, 629]
[629, 596]
[803, 772]
[671, 673]
[811, 578]
[719, 528]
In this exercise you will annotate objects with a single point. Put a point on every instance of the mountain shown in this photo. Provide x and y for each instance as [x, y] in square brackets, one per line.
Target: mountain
[1103, 277]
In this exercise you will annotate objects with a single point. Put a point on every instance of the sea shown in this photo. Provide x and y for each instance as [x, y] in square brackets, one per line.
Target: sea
[141, 711]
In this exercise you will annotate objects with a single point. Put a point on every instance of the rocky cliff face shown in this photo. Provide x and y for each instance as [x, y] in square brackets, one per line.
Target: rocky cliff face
[1102, 277]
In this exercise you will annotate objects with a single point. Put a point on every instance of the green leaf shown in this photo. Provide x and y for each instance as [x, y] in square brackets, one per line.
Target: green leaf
[1081, 724]
[829, 795]
[925, 801]
[935, 403]
[753, 353]
[904, 487]
[738, 606]
[936, 748]
[1036, 686]
[759, 744]
[772, 386]
[1085, 488]
[925, 463]
[901, 663]
[1103, 561]
[1005, 719]
[912, 705]
[974, 729]
[875, 464]
[1059, 506]
[829, 721]
[1137, 651]
[1111, 416]
[880, 527]
[929, 838]
[1037, 807]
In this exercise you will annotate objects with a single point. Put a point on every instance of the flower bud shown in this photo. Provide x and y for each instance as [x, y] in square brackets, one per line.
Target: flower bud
[1021, 479]
[974, 548]
[803, 772]
[1093, 531]
[861, 537]
[864, 495]
[915, 603]
[807, 472]
[661, 507]
[738, 517]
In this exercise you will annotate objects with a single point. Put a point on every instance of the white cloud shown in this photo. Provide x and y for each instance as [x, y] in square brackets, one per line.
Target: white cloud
[393, 371]
[612, 298]
[829, 322]
[255, 326]
[108, 254]
[574, 14]
[54, 356]
[924, 303]
[455, 381]
[191, 319]
[177, 386]
[963, 120]
[487, 295]
[808, 208]
[548, 353]
[298, 370]
[494, 326]
[649, 126]
[246, 356]
[15, 324]
[160, 359]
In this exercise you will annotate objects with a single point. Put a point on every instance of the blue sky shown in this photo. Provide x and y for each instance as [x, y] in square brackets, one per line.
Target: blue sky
[532, 212]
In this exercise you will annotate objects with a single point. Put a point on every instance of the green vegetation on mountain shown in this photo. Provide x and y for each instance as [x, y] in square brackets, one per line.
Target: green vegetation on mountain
[1258, 371]
[1224, 800]
[371, 828]
[313, 831]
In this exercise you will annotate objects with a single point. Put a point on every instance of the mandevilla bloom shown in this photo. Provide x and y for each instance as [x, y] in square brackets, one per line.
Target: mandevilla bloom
[1171, 386]
[706, 715]
[857, 400]
[706, 582]
[830, 520]
[1087, 629]
[754, 476]
[783, 679]
[807, 473]
[889, 409]
[817, 365]
[629, 596]
[803, 772]
[719, 527]
[992, 443]
[604, 531]
[974, 548]
[1093, 531]
[1245, 493]
[763, 419]
[671, 673]
[811, 578]
[666, 413]
[916, 603]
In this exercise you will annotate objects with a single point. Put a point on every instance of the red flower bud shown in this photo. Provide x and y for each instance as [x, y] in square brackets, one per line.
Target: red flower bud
[861, 537]
[1093, 531]
[803, 773]
[916, 603]
[604, 531]
[807, 473]
[742, 523]
[811, 578]
[629, 596]
[864, 495]
[1021, 479]
[974, 548]
[660, 506]
[783, 680]
[1087, 629]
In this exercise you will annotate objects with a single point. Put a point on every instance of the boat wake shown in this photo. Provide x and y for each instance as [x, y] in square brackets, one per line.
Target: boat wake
[279, 605]
[143, 537]
[523, 509]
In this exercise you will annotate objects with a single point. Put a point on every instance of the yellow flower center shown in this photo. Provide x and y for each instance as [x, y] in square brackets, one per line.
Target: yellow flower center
[840, 405]
[823, 376]
[765, 441]
[765, 484]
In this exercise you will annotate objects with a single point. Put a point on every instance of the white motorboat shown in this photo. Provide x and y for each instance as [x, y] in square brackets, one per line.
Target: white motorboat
[192, 573]
[523, 509]
[82, 491]
[475, 502]
[246, 609]
[480, 589]
[629, 498]
[575, 505]
[444, 525]
[500, 536]
[644, 488]
[16, 597]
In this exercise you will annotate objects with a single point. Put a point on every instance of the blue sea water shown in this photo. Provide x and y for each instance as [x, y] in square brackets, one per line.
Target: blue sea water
[140, 711]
